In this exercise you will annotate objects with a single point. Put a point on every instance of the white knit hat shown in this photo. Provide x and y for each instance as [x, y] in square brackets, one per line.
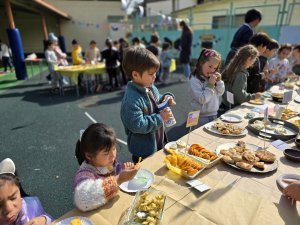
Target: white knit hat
[7, 166]
[52, 37]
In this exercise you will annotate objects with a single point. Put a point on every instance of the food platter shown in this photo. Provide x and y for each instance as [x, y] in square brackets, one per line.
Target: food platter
[291, 130]
[147, 205]
[171, 163]
[231, 118]
[209, 127]
[205, 156]
[268, 167]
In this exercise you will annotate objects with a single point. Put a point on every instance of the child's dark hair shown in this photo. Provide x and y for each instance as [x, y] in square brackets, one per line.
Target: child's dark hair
[259, 39]
[297, 47]
[273, 45]
[97, 137]
[74, 42]
[14, 179]
[136, 40]
[165, 46]
[252, 14]
[154, 39]
[49, 43]
[284, 46]
[8, 177]
[138, 59]
[205, 56]
[93, 42]
[237, 63]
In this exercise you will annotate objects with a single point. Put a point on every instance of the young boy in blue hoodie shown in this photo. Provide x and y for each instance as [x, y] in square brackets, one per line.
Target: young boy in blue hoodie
[143, 122]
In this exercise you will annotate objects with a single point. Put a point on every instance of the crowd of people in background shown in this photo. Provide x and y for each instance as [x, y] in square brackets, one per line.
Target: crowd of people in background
[250, 68]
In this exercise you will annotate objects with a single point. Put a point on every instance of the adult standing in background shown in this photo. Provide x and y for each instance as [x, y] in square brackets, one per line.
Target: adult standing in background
[186, 48]
[244, 33]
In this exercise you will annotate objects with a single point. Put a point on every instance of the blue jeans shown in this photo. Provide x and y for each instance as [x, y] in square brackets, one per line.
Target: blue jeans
[186, 69]
[205, 120]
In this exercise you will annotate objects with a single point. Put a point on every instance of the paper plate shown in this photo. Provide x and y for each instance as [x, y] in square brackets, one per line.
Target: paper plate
[142, 180]
[256, 103]
[288, 176]
[231, 118]
[83, 220]
[297, 99]
[173, 143]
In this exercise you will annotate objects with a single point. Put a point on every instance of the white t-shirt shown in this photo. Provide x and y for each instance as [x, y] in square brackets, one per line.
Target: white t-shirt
[282, 65]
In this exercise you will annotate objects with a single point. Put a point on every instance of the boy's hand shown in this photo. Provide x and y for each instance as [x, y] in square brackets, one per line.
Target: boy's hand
[170, 100]
[127, 173]
[166, 114]
[41, 220]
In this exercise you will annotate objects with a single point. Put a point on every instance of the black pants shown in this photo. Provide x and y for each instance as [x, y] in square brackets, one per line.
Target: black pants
[124, 78]
[6, 62]
[113, 73]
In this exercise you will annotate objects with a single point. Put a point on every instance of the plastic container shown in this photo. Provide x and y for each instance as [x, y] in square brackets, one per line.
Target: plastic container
[152, 193]
[163, 106]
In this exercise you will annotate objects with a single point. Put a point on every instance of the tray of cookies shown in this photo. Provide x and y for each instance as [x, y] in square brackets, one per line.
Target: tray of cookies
[207, 157]
[183, 164]
[227, 129]
[247, 157]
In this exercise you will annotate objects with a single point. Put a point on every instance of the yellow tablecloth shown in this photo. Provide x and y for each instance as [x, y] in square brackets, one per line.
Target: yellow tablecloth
[74, 71]
[236, 197]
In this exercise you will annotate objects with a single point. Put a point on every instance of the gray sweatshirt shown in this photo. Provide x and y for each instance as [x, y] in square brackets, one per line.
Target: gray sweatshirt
[204, 98]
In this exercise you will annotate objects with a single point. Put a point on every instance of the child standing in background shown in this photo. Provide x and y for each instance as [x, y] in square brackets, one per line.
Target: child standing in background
[143, 122]
[235, 76]
[111, 57]
[165, 58]
[92, 53]
[206, 86]
[280, 64]
[100, 174]
[52, 61]
[14, 208]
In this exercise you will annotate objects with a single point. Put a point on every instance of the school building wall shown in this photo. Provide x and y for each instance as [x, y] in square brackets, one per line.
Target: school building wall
[89, 21]
[278, 18]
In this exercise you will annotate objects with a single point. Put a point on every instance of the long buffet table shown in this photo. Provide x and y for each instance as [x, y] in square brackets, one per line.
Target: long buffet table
[236, 197]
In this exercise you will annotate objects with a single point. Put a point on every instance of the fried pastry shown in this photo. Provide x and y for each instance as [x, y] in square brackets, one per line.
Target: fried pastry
[265, 156]
[237, 158]
[259, 165]
[243, 165]
[228, 159]
[181, 144]
[249, 156]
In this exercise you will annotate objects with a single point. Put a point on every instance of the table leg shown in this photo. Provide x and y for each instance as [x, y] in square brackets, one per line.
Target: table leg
[31, 65]
[40, 67]
[77, 90]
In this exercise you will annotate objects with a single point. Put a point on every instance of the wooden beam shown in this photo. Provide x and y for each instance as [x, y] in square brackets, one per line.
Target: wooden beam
[11, 21]
[44, 26]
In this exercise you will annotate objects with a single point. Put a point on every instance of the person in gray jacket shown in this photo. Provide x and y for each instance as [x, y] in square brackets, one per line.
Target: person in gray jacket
[206, 86]
[235, 76]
